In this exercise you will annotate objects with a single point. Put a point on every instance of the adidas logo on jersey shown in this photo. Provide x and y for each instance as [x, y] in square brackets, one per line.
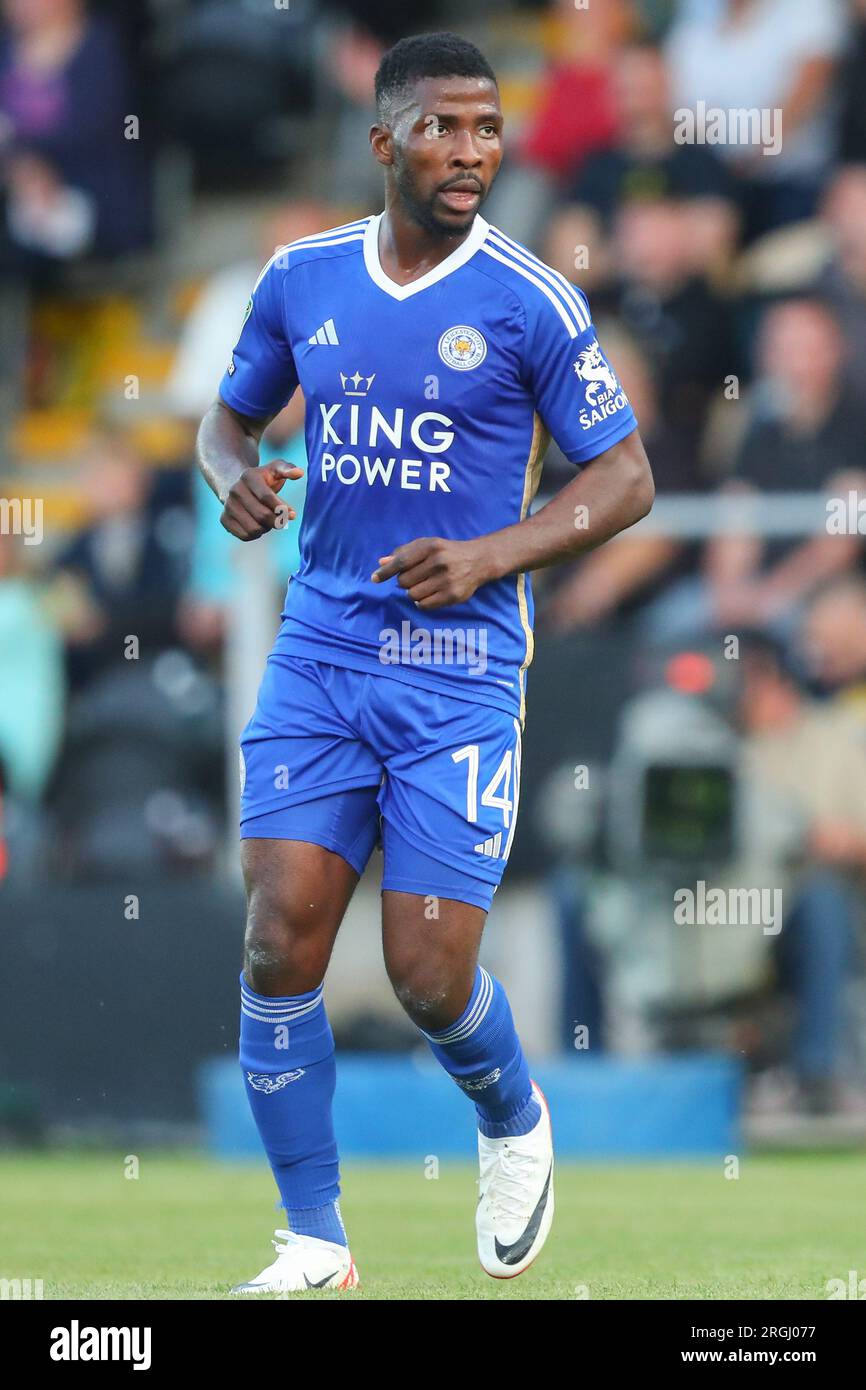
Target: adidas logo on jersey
[326, 336]
[490, 848]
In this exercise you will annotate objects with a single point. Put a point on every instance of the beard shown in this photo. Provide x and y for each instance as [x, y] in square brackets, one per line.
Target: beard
[422, 209]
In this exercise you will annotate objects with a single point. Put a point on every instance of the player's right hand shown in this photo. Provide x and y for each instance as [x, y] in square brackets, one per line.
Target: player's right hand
[252, 506]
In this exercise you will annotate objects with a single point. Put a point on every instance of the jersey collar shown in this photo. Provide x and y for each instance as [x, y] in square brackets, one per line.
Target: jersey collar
[464, 252]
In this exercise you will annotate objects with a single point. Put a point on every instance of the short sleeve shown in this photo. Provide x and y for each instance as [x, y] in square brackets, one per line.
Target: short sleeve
[576, 390]
[261, 375]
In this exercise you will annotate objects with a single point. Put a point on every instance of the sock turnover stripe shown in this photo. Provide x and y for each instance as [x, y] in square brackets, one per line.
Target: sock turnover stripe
[281, 1008]
[475, 1017]
[277, 1010]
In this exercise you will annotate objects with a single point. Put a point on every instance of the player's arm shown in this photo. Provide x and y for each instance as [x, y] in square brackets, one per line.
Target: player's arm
[260, 379]
[611, 493]
[227, 449]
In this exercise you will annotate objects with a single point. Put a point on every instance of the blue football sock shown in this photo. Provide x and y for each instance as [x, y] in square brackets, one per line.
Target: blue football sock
[324, 1222]
[287, 1056]
[482, 1052]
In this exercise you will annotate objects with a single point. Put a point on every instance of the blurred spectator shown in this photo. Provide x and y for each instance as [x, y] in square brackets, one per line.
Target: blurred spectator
[32, 683]
[843, 282]
[576, 114]
[764, 56]
[622, 577]
[806, 435]
[834, 641]
[351, 57]
[76, 182]
[121, 576]
[646, 164]
[814, 756]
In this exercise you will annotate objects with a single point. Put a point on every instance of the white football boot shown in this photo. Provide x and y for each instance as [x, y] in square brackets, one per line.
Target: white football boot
[304, 1262]
[515, 1203]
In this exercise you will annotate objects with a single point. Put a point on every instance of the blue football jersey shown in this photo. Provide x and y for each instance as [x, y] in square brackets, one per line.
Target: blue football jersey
[428, 410]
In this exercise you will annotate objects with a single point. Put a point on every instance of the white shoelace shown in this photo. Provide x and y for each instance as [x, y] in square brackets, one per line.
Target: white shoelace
[506, 1193]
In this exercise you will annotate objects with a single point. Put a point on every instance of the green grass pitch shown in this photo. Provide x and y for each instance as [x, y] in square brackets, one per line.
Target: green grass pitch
[187, 1228]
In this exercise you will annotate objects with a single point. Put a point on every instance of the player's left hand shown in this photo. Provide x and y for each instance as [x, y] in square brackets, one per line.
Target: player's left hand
[437, 572]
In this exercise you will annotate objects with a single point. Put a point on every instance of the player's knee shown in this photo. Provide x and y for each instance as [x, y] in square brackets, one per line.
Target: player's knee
[265, 962]
[425, 995]
[280, 955]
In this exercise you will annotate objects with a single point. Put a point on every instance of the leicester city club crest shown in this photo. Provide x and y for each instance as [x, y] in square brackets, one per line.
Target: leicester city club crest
[462, 348]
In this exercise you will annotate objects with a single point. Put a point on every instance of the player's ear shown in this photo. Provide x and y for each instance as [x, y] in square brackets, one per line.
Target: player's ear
[382, 144]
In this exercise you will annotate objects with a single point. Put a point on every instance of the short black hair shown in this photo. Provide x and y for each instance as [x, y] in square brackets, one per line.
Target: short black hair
[427, 55]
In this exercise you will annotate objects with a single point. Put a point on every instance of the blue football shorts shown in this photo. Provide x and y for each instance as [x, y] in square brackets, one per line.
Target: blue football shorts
[348, 760]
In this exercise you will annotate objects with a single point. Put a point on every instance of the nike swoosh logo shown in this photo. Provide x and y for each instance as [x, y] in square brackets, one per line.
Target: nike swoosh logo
[512, 1254]
[319, 1283]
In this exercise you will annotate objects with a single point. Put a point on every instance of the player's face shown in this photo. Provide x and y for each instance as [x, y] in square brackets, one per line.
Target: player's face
[446, 150]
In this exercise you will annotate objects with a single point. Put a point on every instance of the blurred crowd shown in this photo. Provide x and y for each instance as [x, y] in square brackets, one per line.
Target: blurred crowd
[727, 278]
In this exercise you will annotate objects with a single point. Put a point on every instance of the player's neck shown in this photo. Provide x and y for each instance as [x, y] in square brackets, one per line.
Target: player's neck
[407, 250]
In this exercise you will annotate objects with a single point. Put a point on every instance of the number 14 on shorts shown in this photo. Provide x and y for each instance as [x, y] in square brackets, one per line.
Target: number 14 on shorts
[500, 794]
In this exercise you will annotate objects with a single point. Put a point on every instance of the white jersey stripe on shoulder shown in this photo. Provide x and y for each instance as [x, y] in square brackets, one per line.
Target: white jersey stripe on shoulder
[335, 234]
[266, 267]
[559, 306]
[569, 291]
[315, 245]
[355, 230]
[358, 225]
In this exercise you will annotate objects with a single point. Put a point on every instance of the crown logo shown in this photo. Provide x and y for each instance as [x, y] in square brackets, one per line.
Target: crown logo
[356, 380]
